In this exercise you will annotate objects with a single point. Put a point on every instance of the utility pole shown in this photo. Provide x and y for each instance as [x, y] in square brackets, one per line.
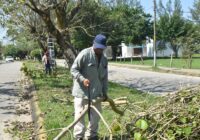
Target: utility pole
[154, 35]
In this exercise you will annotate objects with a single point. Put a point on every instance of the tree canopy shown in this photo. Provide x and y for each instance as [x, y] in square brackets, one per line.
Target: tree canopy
[75, 23]
[171, 24]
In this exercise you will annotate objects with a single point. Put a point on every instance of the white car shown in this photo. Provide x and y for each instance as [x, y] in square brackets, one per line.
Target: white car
[9, 59]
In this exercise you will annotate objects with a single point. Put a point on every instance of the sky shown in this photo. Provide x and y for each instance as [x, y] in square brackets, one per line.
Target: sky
[186, 5]
[147, 5]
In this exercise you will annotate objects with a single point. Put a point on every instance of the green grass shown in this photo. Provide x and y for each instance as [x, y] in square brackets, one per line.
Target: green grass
[164, 62]
[196, 55]
[58, 114]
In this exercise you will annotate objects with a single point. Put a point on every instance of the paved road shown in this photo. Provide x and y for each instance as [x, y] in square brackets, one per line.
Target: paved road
[9, 87]
[153, 82]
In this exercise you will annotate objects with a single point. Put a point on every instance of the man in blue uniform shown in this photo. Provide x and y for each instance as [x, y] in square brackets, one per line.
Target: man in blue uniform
[90, 74]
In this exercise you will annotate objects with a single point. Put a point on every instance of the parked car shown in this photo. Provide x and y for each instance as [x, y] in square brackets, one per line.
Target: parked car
[9, 59]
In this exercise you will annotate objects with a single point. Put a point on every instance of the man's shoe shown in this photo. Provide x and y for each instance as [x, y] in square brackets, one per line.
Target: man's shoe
[93, 138]
[79, 139]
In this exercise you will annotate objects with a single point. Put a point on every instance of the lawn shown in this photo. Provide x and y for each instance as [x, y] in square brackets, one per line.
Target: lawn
[55, 101]
[163, 62]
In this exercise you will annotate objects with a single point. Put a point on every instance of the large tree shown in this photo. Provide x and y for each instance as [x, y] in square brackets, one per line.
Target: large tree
[95, 19]
[190, 42]
[129, 24]
[59, 18]
[64, 20]
[171, 24]
[20, 22]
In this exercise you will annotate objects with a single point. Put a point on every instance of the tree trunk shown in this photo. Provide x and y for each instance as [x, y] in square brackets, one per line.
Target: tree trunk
[59, 30]
[69, 57]
[175, 49]
[114, 52]
[42, 46]
[69, 51]
[176, 54]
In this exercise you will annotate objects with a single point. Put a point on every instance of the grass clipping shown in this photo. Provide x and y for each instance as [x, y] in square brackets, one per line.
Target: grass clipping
[176, 118]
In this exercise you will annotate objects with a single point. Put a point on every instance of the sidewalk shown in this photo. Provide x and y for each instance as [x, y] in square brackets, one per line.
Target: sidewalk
[61, 62]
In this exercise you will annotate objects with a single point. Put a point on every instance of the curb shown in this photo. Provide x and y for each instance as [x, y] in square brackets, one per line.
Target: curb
[179, 72]
[36, 114]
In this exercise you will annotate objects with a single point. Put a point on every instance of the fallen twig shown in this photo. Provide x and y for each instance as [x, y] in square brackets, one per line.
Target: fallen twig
[64, 130]
[110, 132]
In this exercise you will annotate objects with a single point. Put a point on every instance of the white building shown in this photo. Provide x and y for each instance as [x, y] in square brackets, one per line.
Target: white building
[160, 53]
[146, 50]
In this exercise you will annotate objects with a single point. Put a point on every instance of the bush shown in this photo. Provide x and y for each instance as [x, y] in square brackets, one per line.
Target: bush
[36, 54]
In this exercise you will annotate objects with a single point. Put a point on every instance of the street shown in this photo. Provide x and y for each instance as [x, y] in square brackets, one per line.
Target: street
[9, 88]
[147, 81]
[152, 82]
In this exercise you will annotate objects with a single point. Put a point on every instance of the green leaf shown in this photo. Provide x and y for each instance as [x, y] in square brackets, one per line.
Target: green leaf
[116, 127]
[179, 131]
[137, 136]
[187, 130]
[194, 99]
[142, 124]
[183, 119]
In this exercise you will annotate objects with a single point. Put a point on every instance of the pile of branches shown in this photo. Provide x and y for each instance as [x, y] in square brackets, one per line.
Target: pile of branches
[178, 117]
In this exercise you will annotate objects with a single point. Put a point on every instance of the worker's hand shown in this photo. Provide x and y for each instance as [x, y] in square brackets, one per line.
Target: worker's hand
[86, 83]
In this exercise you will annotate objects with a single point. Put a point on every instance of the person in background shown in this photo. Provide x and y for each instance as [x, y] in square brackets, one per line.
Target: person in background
[90, 74]
[46, 61]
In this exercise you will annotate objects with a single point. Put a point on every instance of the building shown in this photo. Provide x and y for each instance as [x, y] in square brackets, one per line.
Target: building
[146, 50]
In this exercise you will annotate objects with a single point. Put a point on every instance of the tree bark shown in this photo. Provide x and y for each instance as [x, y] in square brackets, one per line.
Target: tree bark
[175, 49]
